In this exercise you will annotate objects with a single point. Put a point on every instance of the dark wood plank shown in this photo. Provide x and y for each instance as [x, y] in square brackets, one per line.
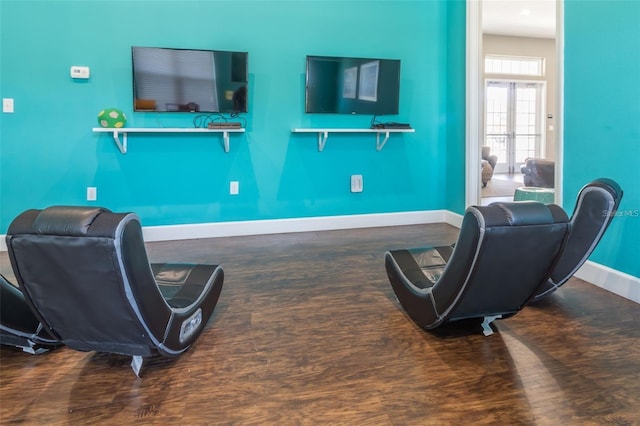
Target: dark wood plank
[308, 331]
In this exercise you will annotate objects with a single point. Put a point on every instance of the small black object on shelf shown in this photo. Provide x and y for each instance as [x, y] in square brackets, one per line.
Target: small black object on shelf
[391, 125]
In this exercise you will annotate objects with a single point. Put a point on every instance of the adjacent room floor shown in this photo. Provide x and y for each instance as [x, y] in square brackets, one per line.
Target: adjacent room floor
[308, 331]
[501, 187]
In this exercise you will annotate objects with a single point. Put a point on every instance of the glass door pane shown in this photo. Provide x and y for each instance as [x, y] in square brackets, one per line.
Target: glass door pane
[527, 133]
[497, 122]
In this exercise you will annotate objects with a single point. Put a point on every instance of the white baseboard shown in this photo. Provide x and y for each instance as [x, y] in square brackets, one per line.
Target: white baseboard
[609, 279]
[279, 226]
[616, 282]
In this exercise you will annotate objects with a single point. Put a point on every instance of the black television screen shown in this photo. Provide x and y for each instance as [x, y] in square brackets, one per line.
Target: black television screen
[341, 85]
[178, 80]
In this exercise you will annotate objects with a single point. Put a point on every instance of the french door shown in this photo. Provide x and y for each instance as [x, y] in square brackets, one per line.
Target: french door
[513, 122]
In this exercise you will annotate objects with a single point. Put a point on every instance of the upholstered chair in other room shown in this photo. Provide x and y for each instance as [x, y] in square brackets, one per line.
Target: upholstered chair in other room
[539, 173]
[487, 165]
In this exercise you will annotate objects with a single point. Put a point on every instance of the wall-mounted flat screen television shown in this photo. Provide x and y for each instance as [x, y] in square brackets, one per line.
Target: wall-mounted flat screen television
[186, 80]
[341, 85]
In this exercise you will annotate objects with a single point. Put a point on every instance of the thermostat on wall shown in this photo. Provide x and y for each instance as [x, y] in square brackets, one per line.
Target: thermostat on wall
[79, 72]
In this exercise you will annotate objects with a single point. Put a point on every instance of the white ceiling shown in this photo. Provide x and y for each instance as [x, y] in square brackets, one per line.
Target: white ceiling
[523, 18]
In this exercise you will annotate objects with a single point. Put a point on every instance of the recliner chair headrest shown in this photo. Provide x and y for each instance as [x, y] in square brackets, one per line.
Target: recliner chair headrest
[63, 220]
[522, 213]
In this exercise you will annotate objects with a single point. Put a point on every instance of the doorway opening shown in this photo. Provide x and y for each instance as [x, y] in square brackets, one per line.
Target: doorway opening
[514, 113]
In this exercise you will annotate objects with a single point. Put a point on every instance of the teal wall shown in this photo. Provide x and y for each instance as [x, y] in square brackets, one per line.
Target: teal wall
[50, 154]
[602, 116]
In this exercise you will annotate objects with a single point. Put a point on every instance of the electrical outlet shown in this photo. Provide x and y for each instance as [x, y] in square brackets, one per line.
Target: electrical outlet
[92, 193]
[356, 183]
[234, 187]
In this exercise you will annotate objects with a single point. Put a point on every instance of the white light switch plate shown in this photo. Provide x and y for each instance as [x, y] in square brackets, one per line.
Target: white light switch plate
[7, 105]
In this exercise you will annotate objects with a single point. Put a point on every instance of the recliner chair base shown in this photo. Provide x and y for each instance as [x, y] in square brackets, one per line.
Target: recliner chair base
[487, 330]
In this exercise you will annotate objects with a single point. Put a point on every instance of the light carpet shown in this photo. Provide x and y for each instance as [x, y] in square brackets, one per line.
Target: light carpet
[500, 188]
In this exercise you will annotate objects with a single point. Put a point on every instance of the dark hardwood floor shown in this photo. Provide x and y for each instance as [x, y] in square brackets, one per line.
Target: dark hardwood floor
[308, 331]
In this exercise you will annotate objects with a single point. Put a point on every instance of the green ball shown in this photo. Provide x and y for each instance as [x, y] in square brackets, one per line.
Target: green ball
[112, 117]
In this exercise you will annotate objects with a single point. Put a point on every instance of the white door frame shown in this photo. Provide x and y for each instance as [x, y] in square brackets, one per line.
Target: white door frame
[475, 101]
[474, 98]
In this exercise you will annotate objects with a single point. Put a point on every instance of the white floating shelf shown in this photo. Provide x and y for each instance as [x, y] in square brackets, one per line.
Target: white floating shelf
[122, 144]
[323, 134]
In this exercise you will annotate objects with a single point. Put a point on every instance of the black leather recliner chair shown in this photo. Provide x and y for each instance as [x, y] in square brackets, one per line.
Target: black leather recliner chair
[507, 255]
[19, 327]
[503, 253]
[84, 271]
